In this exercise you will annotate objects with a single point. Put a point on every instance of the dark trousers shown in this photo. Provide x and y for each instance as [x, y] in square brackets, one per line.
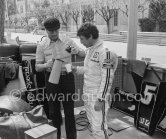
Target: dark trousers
[62, 92]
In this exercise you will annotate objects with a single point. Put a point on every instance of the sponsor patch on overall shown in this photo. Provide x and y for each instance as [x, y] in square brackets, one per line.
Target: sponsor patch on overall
[95, 57]
[96, 54]
[108, 64]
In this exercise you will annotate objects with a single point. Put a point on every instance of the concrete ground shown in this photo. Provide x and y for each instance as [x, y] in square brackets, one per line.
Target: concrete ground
[128, 133]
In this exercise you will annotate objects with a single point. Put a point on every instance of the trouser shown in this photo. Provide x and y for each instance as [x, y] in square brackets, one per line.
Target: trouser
[97, 119]
[63, 92]
[40, 78]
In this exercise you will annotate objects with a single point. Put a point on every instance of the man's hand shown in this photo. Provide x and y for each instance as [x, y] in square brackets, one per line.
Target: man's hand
[49, 63]
[74, 50]
[98, 105]
[74, 68]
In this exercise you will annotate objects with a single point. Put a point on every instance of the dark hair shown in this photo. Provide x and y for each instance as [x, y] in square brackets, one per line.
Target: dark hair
[87, 30]
[51, 23]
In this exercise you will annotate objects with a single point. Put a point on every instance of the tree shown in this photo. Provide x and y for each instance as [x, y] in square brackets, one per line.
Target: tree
[10, 21]
[158, 12]
[87, 13]
[11, 7]
[2, 19]
[146, 25]
[36, 4]
[25, 19]
[45, 4]
[142, 6]
[75, 15]
[52, 11]
[106, 11]
[15, 22]
[123, 6]
[64, 14]
[40, 14]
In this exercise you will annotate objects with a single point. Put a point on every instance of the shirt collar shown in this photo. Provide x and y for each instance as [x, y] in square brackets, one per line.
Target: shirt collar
[61, 38]
[97, 44]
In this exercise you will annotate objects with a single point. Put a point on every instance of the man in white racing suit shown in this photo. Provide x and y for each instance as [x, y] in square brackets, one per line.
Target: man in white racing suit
[99, 68]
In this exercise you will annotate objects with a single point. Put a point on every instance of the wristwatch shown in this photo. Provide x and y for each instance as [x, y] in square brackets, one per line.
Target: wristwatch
[100, 100]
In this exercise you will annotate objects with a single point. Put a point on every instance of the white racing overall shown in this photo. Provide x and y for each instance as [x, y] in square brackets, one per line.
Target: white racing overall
[99, 67]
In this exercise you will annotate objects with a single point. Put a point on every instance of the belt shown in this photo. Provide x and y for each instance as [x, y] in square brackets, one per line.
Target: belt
[62, 72]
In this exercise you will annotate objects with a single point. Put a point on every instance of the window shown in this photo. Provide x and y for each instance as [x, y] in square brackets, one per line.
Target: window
[116, 18]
